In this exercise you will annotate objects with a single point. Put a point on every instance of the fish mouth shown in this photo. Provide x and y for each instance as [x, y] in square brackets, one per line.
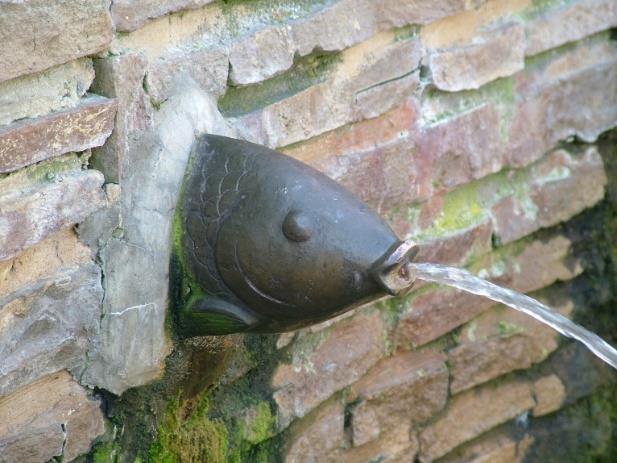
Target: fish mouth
[392, 271]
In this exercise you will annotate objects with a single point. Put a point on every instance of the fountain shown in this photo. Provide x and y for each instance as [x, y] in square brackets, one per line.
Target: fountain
[267, 244]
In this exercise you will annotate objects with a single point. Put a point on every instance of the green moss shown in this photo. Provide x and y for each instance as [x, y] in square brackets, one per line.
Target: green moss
[307, 72]
[260, 425]
[192, 438]
[105, 452]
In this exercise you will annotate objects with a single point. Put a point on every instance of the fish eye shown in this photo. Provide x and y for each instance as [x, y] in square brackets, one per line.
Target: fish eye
[297, 226]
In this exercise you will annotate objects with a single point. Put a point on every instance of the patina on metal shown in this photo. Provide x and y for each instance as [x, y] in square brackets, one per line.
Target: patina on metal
[268, 244]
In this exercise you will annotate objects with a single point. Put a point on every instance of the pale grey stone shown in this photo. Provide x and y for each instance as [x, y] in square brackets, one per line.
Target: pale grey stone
[60, 87]
[48, 325]
[129, 15]
[38, 34]
[133, 343]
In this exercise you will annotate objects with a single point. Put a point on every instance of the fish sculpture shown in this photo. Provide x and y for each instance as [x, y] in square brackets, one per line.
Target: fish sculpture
[264, 243]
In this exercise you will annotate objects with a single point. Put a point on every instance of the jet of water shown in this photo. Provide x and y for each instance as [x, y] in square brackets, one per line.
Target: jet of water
[462, 279]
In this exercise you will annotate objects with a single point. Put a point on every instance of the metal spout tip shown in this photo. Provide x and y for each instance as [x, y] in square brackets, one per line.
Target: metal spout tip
[394, 271]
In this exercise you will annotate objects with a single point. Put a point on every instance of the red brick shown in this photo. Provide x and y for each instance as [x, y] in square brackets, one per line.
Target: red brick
[472, 413]
[409, 387]
[434, 311]
[313, 438]
[343, 354]
[76, 129]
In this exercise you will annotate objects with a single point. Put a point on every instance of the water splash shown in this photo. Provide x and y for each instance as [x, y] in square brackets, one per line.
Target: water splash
[462, 279]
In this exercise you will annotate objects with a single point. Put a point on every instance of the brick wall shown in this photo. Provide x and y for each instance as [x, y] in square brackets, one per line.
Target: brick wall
[481, 129]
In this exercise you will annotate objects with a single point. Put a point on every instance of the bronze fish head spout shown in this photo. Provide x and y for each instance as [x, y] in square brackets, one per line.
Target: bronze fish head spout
[269, 244]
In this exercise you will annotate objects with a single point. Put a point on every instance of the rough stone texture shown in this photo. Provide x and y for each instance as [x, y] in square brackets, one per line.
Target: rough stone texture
[398, 445]
[472, 413]
[49, 324]
[129, 15]
[376, 64]
[500, 340]
[313, 441]
[568, 22]
[496, 53]
[33, 95]
[550, 96]
[343, 355]
[436, 311]
[407, 388]
[51, 417]
[121, 77]
[38, 34]
[550, 393]
[133, 344]
[59, 195]
[561, 185]
[85, 126]
[493, 447]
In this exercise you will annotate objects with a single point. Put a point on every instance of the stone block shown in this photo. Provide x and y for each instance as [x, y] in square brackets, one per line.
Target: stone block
[493, 54]
[313, 439]
[39, 201]
[497, 446]
[134, 342]
[49, 324]
[121, 77]
[32, 140]
[60, 87]
[52, 417]
[435, 311]
[37, 35]
[472, 413]
[333, 103]
[407, 388]
[342, 355]
[398, 445]
[558, 187]
[550, 393]
[568, 22]
[129, 15]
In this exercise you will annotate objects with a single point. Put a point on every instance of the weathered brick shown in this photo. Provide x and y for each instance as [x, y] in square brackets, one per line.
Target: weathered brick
[343, 354]
[39, 34]
[121, 77]
[207, 66]
[375, 64]
[497, 446]
[550, 393]
[312, 439]
[397, 445]
[42, 260]
[76, 129]
[398, 13]
[129, 15]
[558, 187]
[472, 413]
[500, 340]
[551, 93]
[329, 151]
[462, 148]
[32, 210]
[436, 311]
[568, 21]
[54, 89]
[409, 387]
[49, 418]
[48, 324]
[492, 54]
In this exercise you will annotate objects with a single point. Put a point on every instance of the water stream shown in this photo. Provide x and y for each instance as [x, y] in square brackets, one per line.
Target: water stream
[462, 279]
